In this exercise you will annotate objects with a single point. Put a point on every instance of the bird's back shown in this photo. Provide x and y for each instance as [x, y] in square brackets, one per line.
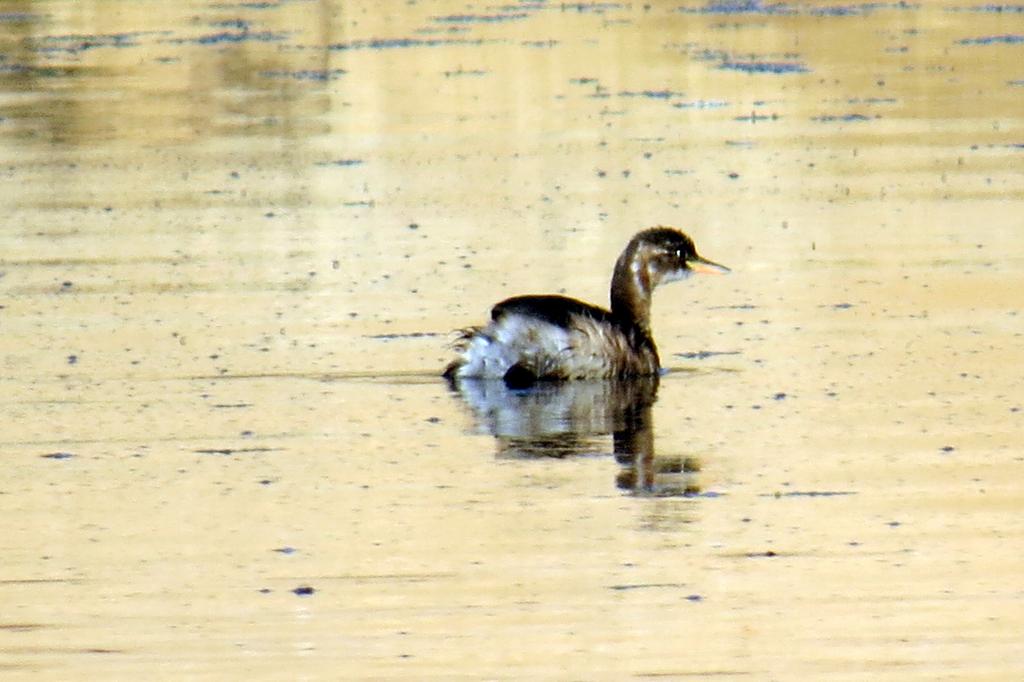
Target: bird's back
[554, 337]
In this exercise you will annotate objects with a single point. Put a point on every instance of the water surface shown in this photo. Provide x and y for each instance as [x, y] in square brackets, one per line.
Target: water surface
[236, 239]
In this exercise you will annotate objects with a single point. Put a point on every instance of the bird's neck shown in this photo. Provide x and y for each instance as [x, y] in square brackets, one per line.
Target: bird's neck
[631, 289]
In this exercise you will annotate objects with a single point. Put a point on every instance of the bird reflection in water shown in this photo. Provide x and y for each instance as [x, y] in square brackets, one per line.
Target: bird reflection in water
[570, 418]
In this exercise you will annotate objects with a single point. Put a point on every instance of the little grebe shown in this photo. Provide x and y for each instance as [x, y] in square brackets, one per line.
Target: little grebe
[556, 337]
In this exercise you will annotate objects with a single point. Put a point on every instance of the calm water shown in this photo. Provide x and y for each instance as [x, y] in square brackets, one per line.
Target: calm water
[236, 239]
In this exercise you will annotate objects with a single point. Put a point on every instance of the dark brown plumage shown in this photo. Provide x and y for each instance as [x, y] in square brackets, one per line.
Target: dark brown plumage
[555, 337]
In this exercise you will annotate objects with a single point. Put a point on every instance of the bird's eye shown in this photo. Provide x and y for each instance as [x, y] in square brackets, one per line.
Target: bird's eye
[679, 253]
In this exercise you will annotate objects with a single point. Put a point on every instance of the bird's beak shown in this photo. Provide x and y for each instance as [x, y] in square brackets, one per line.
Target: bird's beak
[705, 266]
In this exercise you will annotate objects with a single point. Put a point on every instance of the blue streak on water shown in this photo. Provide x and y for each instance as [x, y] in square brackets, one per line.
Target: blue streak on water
[253, 4]
[1008, 39]
[812, 493]
[479, 18]
[75, 43]
[860, 9]
[17, 17]
[764, 67]
[741, 7]
[236, 37]
[341, 162]
[596, 7]
[787, 9]
[702, 104]
[401, 43]
[844, 118]
[651, 94]
[871, 100]
[34, 71]
[755, 117]
[322, 75]
[995, 9]
[750, 63]
[240, 24]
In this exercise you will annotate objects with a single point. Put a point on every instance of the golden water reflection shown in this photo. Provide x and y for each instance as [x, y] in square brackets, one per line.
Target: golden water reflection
[237, 234]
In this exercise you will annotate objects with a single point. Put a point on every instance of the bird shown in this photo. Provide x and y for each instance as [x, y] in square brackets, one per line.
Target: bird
[549, 337]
